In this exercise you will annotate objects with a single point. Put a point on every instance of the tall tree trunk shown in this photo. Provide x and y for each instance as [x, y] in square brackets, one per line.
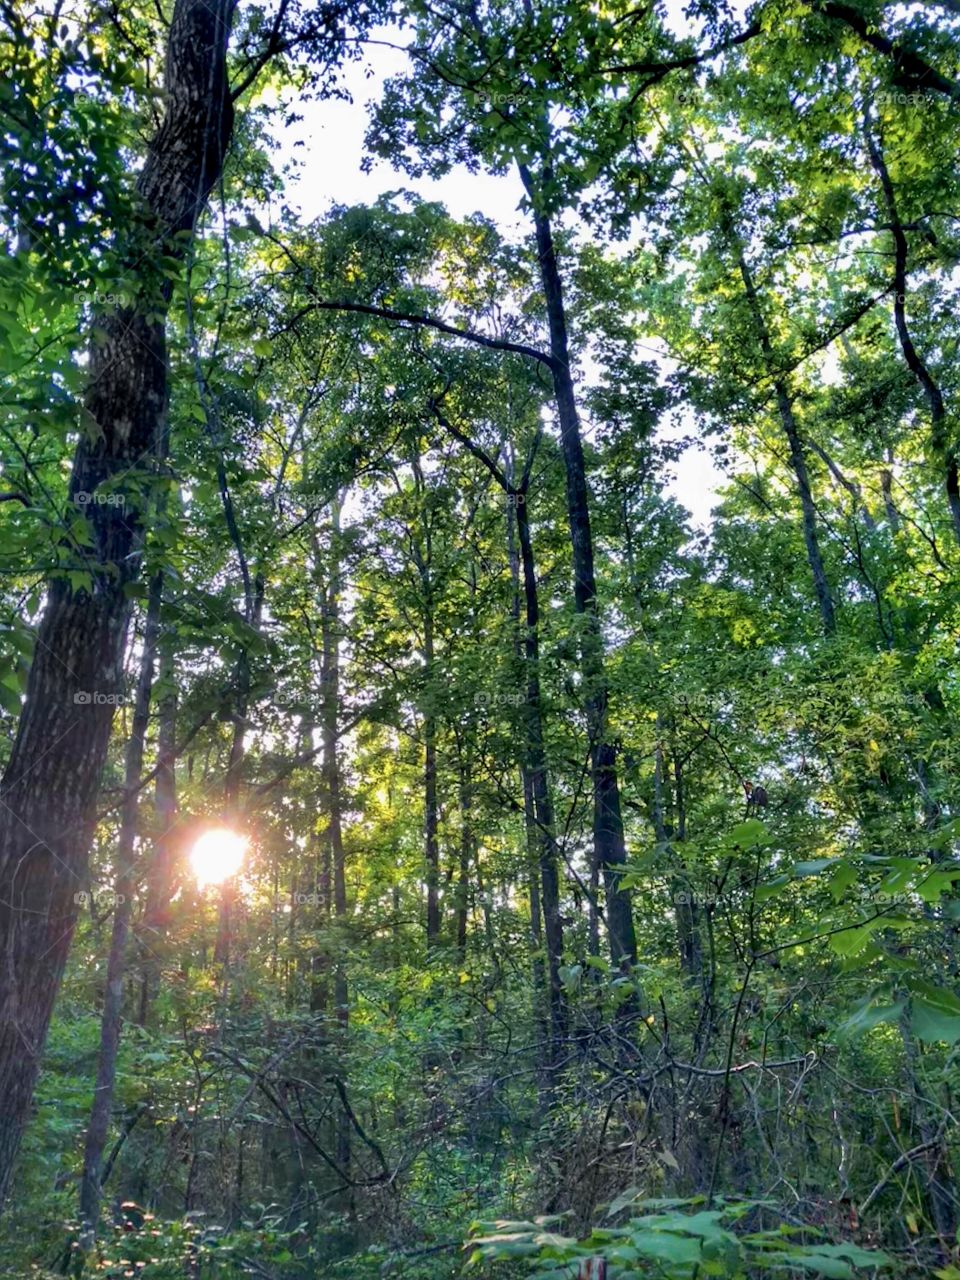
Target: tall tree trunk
[49, 787]
[685, 909]
[536, 767]
[330, 708]
[431, 845]
[541, 989]
[161, 871]
[609, 849]
[110, 1021]
[466, 851]
[231, 787]
[320, 958]
[798, 459]
[889, 506]
[943, 450]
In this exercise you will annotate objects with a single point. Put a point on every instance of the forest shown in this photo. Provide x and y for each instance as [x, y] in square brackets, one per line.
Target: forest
[480, 793]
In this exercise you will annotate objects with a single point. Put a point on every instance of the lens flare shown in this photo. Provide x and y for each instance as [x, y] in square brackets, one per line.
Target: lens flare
[217, 855]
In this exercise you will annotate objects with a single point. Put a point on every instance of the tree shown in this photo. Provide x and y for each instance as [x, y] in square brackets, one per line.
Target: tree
[51, 778]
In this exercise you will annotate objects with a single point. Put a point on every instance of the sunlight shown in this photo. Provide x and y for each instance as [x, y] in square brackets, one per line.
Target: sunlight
[217, 855]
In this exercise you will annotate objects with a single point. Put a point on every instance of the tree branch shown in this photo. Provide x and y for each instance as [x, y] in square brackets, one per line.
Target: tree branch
[414, 318]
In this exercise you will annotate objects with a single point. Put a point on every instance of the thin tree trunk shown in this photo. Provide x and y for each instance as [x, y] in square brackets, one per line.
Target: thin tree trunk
[539, 782]
[431, 823]
[684, 908]
[231, 787]
[537, 804]
[934, 396]
[798, 460]
[320, 959]
[330, 705]
[161, 871]
[530, 827]
[465, 795]
[110, 1021]
[889, 506]
[609, 849]
[851, 486]
[50, 784]
[541, 989]
[431, 847]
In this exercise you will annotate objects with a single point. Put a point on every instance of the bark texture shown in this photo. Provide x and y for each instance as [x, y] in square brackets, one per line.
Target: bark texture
[48, 791]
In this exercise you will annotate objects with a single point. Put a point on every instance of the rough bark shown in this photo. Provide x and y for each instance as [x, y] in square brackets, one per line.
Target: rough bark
[49, 788]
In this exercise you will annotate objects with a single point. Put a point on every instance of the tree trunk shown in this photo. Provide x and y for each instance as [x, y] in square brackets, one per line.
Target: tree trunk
[231, 787]
[330, 705]
[110, 1022]
[541, 989]
[466, 853]
[685, 909]
[161, 871]
[536, 766]
[889, 506]
[944, 452]
[49, 787]
[431, 846]
[609, 849]
[798, 460]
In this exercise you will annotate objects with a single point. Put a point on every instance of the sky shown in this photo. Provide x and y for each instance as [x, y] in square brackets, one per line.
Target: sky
[328, 143]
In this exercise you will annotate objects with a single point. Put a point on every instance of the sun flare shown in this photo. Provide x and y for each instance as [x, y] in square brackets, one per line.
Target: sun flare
[217, 855]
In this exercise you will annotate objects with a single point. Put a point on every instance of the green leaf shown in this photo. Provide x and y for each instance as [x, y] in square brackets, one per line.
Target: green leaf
[772, 888]
[10, 700]
[935, 1014]
[814, 866]
[866, 1016]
